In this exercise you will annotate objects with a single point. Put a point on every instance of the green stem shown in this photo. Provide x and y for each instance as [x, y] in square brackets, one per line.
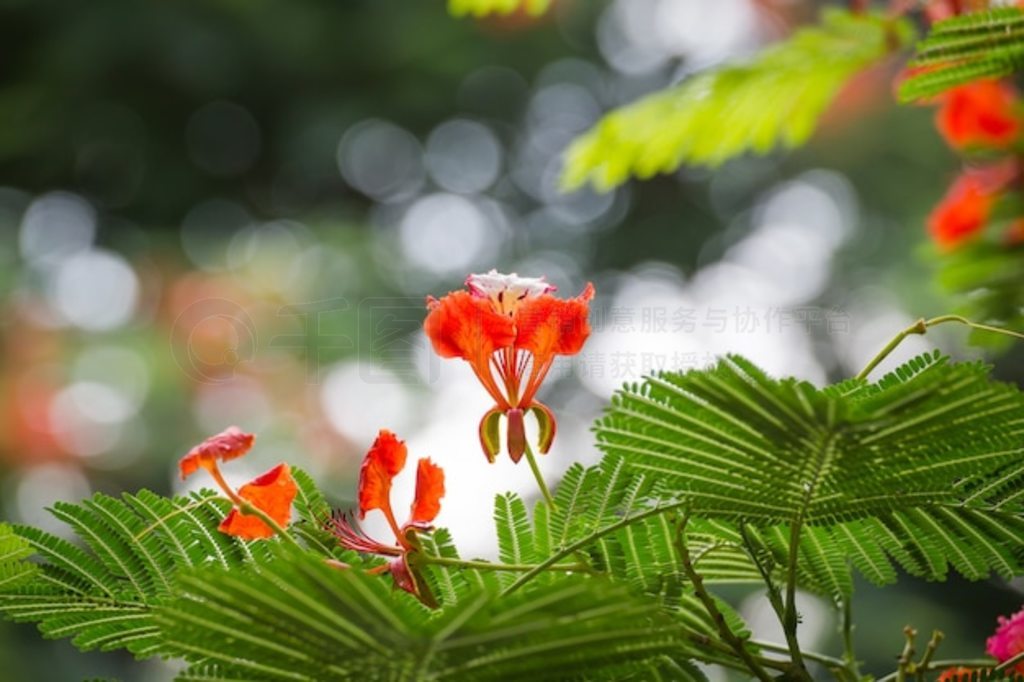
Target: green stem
[904, 662]
[246, 508]
[491, 566]
[849, 655]
[249, 509]
[549, 498]
[697, 581]
[929, 653]
[790, 619]
[829, 661]
[1008, 663]
[955, 663]
[540, 479]
[166, 517]
[583, 542]
[774, 596]
[922, 326]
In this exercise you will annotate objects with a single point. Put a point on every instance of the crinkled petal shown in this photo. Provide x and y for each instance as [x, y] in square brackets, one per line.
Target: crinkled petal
[382, 463]
[429, 491]
[461, 325]
[962, 213]
[506, 292]
[388, 452]
[979, 114]
[547, 326]
[958, 674]
[273, 493]
[230, 443]
[1008, 640]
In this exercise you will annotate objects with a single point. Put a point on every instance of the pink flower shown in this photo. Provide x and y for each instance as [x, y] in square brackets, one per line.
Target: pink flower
[1008, 640]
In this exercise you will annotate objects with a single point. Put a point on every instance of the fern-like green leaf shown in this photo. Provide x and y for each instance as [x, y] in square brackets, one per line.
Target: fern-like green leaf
[299, 619]
[640, 550]
[965, 48]
[452, 585]
[922, 468]
[774, 101]
[515, 535]
[101, 594]
[481, 8]
[14, 570]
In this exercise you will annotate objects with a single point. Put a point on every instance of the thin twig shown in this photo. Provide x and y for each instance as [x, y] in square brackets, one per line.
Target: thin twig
[540, 477]
[922, 326]
[574, 547]
[697, 582]
[929, 652]
[789, 618]
[904, 661]
[849, 655]
[774, 596]
[1008, 663]
[492, 566]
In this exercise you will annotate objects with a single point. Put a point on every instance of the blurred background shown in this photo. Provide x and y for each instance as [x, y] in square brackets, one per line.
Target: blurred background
[219, 212]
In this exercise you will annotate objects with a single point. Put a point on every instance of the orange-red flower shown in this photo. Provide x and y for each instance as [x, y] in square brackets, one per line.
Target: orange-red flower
[385, 459]
[509, 329]
[967, 206]
[230, 443]
[1008, 640]
[958, 674]
[272, 492]
[979, 114]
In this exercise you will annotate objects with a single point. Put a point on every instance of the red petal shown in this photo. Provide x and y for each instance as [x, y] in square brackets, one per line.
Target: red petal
[547, 326]
[490, 437]
[979, 114]
[461, 325]
[959, 674]
[547, 425]
[273, 493]
[516, 434]
[407, 578]
[388, 452]
[230, 443]
[429, 491]
[403, 578]
[962, 213]
[382, 463]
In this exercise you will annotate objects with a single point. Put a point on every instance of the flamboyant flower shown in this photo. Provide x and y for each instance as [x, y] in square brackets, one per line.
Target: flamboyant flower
[968, 204]
[962, 213]
[958, 674]
[385, 459]
[271, 492]
[1008, 641]
[979, 114]
[509, 329]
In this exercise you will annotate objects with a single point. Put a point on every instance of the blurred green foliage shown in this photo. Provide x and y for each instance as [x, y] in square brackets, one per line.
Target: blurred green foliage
[102, 98]
[773, 102]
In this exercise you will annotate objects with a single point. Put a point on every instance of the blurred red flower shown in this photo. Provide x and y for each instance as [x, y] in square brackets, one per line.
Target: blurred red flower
[958, 674]
[979, 114]
[962, 213]
[1008, 640]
